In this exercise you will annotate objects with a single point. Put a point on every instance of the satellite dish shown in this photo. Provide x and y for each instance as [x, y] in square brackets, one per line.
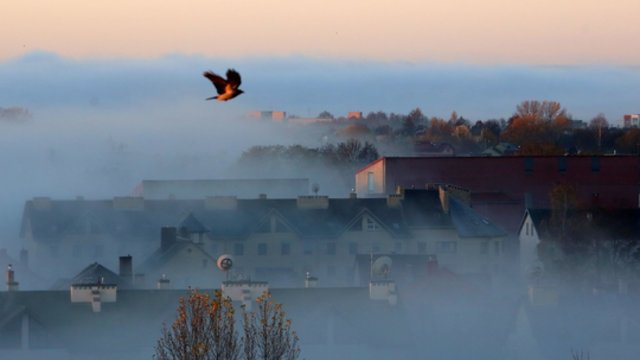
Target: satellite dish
[225, 262]
[382, 266]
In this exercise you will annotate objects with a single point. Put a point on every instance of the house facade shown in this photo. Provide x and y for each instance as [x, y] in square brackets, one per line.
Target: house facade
[276, 240]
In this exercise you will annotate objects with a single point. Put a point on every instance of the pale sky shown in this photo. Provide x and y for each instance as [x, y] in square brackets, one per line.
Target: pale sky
[465, 31]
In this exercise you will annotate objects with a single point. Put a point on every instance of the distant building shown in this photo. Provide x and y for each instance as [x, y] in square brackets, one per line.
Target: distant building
[354, 115]
[278, 116]
[501, 187]
[631, 120]
[275, 240]
[199, 189]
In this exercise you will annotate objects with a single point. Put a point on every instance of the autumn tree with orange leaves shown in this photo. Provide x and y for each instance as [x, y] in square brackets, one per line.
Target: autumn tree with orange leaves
[205, 328]
[537, 127]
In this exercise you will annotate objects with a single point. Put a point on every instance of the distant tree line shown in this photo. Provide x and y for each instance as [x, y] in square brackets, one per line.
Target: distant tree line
[535, 128]
[14, 113]
[344, 153]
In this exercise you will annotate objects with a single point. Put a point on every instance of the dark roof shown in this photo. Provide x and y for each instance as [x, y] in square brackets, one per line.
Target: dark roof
[469, 223]
[162, 256]
[94, 274]
[192, 225]
[419, 208]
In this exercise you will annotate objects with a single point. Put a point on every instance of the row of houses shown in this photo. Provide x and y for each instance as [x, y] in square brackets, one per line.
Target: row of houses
[279, 240]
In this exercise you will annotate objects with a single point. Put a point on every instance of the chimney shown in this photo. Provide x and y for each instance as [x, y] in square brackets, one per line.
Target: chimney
[310, 281]
[163, 283]
[126, 269]
[394, 200]
[168, 237]
[353, 195]
[12, 284]
[262, 196]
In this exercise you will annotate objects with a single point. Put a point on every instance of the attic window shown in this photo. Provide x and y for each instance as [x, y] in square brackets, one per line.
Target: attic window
[370, 224]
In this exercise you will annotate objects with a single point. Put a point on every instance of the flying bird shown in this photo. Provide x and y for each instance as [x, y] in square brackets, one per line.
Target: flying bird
[227, 89]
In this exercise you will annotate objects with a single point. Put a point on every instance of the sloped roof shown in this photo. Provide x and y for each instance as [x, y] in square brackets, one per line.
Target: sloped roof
[418, 209]
[469, 223]
[162, 256]
[191, 224]
[94, 274]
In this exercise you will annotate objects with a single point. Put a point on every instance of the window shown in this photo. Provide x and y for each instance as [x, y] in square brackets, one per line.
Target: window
[285, 249]
[526, 230]
[370, 224]
[562, 164]
[422, 247]
[353, 248]
[595, 164]
[331, 248]
[528, 165]
[484, 246]
[528, 200]
[371, 182]
[447, 246]
[262, 249]
[238, 249]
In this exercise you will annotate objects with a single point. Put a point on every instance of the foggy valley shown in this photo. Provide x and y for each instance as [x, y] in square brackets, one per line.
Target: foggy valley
[445, 253]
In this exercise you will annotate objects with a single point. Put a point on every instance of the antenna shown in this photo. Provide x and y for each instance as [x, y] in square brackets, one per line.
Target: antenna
[225, 263]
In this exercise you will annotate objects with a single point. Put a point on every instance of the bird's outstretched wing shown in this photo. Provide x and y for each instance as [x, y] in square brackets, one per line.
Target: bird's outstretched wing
[233, 77]
[217, 81]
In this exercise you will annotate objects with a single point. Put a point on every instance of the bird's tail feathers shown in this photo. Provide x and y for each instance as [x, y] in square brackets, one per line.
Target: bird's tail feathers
[212, 98]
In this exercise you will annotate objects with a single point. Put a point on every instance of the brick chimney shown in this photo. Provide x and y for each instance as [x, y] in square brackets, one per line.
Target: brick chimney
[12, 284]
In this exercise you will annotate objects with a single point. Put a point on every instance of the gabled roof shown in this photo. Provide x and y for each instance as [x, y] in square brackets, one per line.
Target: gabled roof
[96, 274]
[161, 257]
[192, 225]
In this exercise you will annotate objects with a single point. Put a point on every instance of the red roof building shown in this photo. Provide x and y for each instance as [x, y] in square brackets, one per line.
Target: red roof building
[501, 187]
